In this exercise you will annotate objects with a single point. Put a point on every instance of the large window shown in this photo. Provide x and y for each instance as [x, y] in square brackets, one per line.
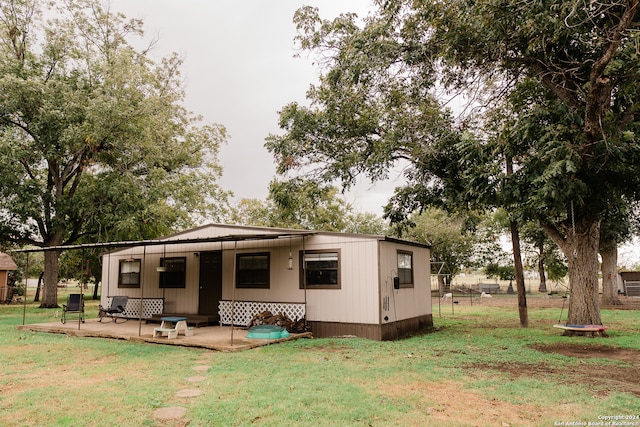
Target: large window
[173, 275]
[129, 274]
[322, 269]
[405, 269]
[252, 271]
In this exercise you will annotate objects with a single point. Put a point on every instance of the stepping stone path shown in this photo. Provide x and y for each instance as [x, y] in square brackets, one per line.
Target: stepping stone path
[178, 412]
[190, 392]
[170, 413]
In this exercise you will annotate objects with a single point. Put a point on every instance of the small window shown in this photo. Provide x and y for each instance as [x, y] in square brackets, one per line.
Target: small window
[252, 271]
[405, 269]
[129, 275]
[173, 275]
[322, 269]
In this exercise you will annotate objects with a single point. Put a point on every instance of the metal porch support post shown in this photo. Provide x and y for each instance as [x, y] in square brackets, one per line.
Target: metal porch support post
[81, 314]
[233, 288]
[26, 288]
[144, 253]
[304, 278]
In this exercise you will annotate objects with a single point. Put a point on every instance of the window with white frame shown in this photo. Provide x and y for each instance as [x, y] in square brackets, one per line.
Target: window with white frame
[405, 269]
[129, 273]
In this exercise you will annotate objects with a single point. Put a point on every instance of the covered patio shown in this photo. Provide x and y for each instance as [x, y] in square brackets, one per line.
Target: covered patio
[218, 338]
[144, 313]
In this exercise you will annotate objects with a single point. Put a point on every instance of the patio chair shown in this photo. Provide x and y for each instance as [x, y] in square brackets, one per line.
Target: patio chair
[75, 304]
[115, 310]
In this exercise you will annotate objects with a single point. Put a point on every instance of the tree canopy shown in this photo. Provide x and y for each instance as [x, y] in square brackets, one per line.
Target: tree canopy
[94, 140]
[300, 203]
[551, 134]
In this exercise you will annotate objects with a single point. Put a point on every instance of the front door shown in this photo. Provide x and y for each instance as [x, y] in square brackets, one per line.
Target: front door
[210, 282]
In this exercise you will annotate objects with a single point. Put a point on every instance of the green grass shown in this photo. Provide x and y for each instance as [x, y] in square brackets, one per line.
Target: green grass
[478, 368]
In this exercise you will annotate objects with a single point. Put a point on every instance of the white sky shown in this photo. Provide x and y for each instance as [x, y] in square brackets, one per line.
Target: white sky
[240, 70]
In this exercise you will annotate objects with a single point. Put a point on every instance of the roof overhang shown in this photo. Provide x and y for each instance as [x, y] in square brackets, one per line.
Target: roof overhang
[169, 241]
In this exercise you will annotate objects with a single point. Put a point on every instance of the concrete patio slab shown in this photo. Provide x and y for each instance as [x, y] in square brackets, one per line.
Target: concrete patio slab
[219, 338]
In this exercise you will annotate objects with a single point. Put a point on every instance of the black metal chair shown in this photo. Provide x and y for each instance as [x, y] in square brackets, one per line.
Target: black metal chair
[115, 310]
[75, 304]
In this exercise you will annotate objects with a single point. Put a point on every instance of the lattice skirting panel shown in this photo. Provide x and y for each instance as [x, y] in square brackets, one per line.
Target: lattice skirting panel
[245, 310]
[150, 306]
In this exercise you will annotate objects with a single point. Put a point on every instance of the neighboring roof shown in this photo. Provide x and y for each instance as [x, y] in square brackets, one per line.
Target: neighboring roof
[6, 262]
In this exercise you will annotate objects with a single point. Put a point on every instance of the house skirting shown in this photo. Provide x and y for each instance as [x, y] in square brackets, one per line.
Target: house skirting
[386, 332]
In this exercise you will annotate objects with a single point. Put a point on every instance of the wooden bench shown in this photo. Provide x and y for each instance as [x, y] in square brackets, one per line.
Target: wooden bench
[489, 288]
[632, 288]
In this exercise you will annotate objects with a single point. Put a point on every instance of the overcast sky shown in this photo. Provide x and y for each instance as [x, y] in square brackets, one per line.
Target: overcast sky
[240, 70]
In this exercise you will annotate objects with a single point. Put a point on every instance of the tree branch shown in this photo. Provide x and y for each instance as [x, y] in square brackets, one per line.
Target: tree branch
[598, 99]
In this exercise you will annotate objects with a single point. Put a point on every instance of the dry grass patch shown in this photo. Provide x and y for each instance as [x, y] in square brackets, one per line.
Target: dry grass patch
[449, 403]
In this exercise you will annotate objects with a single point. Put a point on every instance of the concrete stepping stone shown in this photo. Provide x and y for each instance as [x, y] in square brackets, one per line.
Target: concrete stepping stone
[190, 392]
[201, 368]
[195, 379]
[170, 413]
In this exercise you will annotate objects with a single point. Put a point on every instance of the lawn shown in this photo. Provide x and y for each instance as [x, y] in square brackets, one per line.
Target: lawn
[477, 367]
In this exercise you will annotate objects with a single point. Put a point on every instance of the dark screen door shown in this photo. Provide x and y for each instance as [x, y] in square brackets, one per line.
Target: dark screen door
[210, 282]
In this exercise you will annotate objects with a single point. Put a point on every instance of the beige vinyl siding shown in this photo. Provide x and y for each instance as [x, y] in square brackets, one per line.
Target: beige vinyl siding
[406, 302]
[283, 282]
[357, 299]
[177, 300]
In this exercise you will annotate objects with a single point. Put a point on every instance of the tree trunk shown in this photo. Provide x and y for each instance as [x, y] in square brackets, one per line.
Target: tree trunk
[580, 247]
[581, 250]
[50, 288]
[517, 261]
[609, 254]
[519, 270]
[38, 288]
[541, 272]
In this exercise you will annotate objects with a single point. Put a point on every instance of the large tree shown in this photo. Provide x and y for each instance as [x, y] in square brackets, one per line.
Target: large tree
[94, 142]
[564, 74]
[570, 71]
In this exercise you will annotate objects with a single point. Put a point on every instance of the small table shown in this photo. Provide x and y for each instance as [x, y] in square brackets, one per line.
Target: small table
[171, 326]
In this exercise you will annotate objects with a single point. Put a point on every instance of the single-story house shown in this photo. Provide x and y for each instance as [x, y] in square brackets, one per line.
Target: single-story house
[6, 265]
[368, 286]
